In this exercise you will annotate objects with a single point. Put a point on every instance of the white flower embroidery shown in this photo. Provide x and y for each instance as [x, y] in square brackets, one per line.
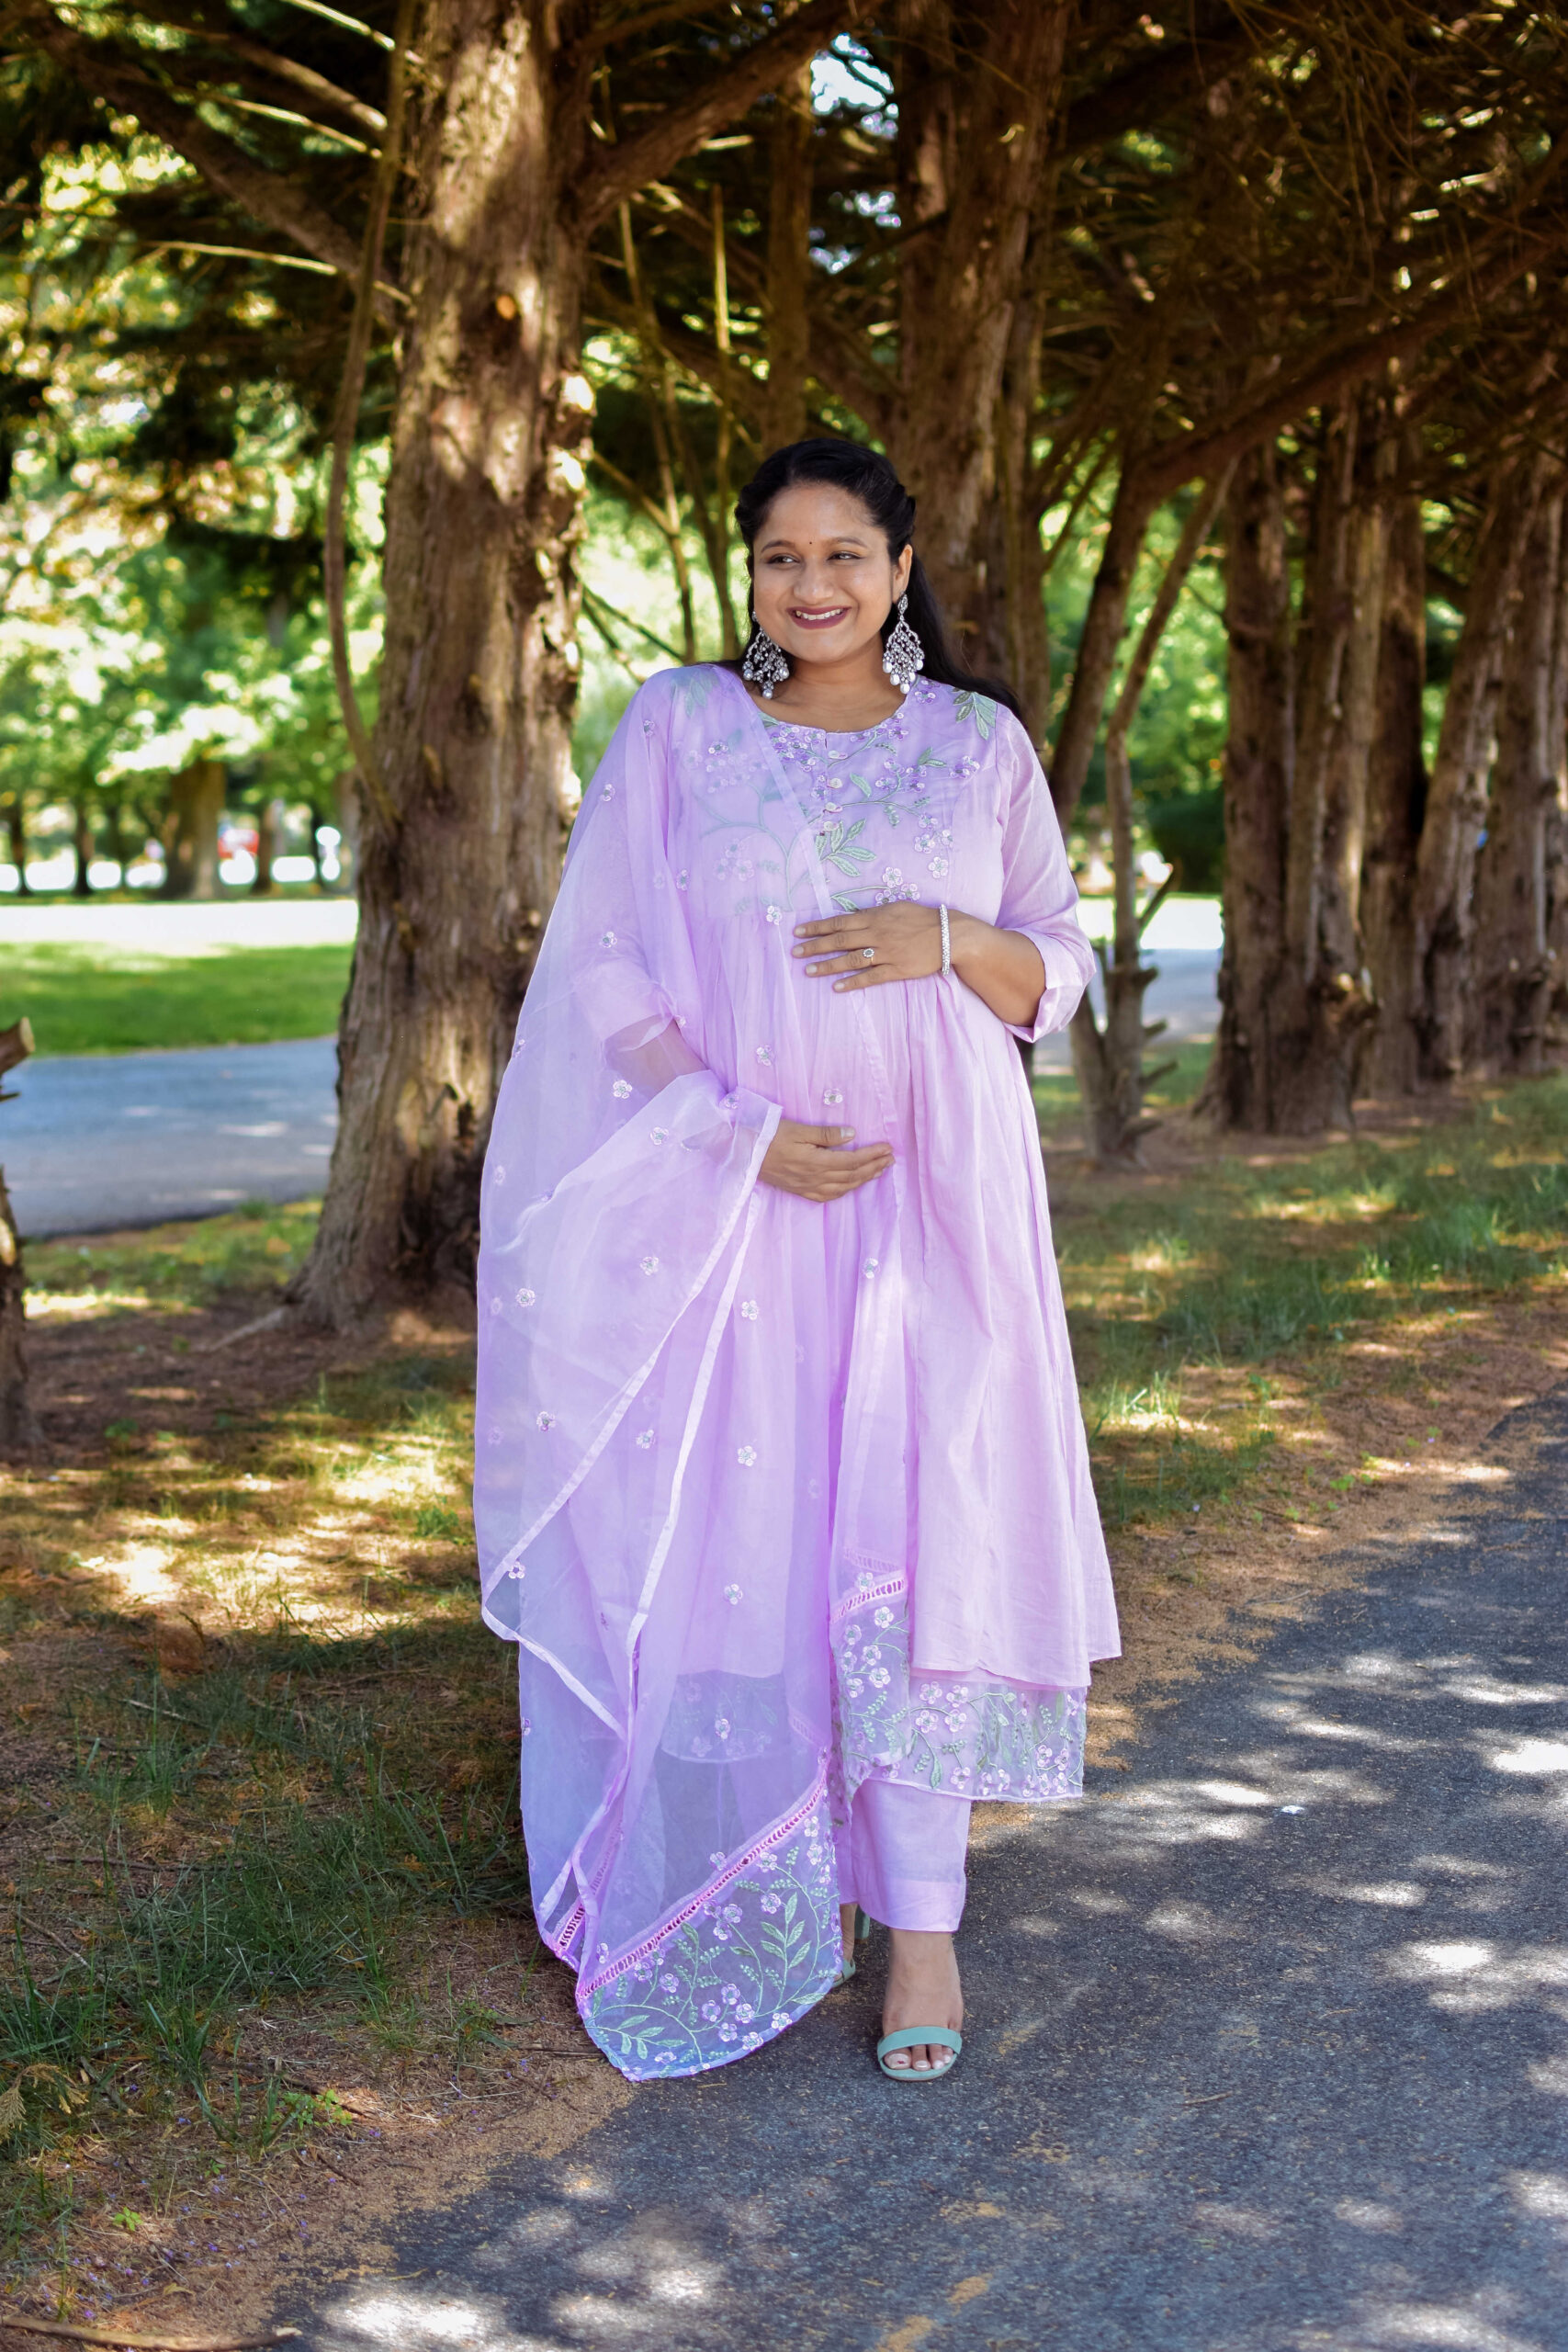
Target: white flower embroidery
[938, 867]
[775, 914]
[869, 1269]
[683, 879]
[891, 876]
[833, 1094]
[748, 1309]
[525, 1297]
[495, 1307]
[660, 1135]
[606, 939]
[732, 1594]
[746, 1456]
[498, 1175]
[546, 1421]
[645, 1439]
[650, 1265]
[764, 1053]
[621, 1089]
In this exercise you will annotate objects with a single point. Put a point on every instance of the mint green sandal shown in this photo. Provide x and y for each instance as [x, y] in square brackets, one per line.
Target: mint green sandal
[863, 1936]
[908, 2039]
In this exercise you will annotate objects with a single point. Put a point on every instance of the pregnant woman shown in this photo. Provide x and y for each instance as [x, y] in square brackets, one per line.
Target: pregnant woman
[782, 1486]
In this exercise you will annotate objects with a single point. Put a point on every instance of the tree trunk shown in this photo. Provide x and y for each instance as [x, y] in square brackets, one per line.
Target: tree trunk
[1512, 967]
[269, 832]
[1254, 1036]
[1557, 812]
[1095, 661]
[1445, 865]
[1110, 1062]
[787, 300]
[479, 672]
[17, 836]
[19, 1431]
[82, 843]
[1326, 1005]
[349, 826]
[975, 115]
[1396, 800]
[196, 805]
[1011, 638]
[1347, 1005]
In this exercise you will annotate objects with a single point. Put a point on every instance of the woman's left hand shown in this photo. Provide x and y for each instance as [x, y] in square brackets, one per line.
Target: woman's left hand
[904, 940]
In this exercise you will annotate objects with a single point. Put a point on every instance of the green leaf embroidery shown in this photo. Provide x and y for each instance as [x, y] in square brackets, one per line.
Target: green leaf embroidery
[838, 845]
[979, 707]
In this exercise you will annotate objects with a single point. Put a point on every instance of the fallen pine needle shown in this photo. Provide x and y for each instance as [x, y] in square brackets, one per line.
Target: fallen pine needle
[115, 2338]
[1212, 2099]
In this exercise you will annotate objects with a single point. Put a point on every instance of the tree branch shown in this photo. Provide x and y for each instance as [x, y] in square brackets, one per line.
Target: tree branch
[345, 422]
[265, 195]
[280, 69]
[624, 168]
[1205, 448]
[648, 20]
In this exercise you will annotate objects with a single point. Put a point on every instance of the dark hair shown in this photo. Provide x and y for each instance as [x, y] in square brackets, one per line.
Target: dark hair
[866, 475]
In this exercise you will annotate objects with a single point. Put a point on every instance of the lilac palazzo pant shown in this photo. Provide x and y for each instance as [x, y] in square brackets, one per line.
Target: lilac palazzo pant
[901, 1856]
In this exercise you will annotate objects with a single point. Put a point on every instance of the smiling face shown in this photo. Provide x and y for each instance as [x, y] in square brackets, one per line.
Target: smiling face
[823, 581]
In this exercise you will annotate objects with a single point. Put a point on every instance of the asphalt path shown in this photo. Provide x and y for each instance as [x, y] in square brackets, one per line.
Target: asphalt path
[99, 1141]
[1267, 2044]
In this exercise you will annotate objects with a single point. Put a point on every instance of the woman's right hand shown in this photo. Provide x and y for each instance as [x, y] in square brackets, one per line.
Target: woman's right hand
[815, 1163]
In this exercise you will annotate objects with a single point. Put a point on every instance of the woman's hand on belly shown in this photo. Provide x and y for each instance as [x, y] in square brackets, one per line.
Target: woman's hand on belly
[1004, 968]
[815, 1163]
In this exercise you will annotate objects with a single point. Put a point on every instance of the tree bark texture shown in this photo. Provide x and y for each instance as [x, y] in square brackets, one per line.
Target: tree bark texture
[977, 98]
[1255, 1032]
[1557, 813]
[1396, 800]
[480, 668]
[1443, 913]
[196, 805]
[1513, 967]
[782, 404]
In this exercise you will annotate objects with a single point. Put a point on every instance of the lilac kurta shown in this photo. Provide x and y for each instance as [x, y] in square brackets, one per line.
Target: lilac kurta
[776, 1497]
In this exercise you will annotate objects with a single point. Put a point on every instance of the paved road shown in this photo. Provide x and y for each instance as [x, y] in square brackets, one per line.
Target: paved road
[95, 1140]
[1268, 2045]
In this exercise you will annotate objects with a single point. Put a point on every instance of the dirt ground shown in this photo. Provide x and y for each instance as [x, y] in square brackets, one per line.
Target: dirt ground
[1374, 1459]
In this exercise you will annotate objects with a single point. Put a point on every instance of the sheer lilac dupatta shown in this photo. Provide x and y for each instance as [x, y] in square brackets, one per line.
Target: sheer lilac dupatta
[697, 1904]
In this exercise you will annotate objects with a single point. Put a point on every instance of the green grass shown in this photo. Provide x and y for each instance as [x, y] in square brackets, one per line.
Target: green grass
[175, 1266]
[1186, 1293]
[86, 999]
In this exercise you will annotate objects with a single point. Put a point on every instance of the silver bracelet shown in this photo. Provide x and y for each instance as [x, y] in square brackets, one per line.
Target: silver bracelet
[946, 945]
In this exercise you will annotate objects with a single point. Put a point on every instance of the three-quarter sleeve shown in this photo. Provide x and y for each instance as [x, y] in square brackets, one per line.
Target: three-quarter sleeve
[1039, 898]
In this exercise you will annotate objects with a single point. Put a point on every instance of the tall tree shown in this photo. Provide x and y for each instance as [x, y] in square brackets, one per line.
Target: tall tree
[508, 181]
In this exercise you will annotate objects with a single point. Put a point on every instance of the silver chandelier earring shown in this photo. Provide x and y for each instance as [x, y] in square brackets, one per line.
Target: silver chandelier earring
[766, 665]
[903, 656]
